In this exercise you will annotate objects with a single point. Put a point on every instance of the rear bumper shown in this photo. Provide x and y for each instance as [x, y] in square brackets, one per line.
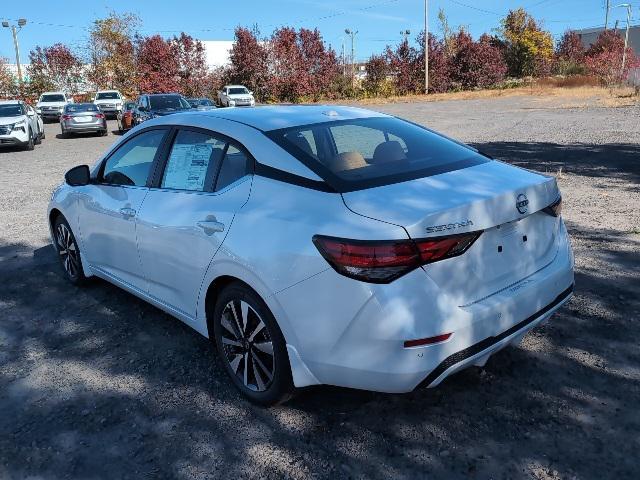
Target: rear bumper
[352, 334]
[91, 127]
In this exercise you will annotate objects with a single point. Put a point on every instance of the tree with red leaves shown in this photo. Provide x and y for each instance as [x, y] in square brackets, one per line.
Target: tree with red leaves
[604, 59]
[569, 55]
[157, 66]
[54, 68]
[377, 69]
[402, 63]
[476, 64]
[192, 66]
[288, 80]
[318, 64]
[249, 62]
[439, 65]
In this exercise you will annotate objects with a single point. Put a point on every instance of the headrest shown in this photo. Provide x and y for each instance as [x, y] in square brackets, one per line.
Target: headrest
[347, 161]
[388, 152]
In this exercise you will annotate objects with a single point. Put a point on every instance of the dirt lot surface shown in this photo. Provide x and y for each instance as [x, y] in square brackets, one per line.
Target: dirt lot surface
[95, 383]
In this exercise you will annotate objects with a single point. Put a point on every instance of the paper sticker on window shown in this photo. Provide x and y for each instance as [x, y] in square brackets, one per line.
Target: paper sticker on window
[187, 166]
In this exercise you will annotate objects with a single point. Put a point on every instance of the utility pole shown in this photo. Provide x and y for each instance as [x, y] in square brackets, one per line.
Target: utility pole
[626, 36]
[606, 15]
[344, 61]
[21, 23]
[353, 34]
[426, 46]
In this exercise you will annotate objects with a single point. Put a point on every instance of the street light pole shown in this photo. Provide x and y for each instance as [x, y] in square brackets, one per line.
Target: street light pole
[626, 36]
[21, 23]
[426, 46]
[352, 33]
[606, 15]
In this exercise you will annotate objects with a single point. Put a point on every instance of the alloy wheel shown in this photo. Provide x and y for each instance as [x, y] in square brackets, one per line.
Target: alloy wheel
[67, 250]
[247, 345]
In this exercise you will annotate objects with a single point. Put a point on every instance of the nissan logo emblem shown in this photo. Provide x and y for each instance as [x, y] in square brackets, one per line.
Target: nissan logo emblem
[522, 203]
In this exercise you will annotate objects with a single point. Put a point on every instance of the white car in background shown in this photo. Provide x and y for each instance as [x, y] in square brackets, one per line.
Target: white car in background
[236, 96]
[20, 125]
[110, 102]
[320, 245]
[51, 104]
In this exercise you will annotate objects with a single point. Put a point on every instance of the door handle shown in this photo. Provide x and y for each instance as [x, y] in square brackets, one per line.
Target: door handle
[127, 212]
[211, 226]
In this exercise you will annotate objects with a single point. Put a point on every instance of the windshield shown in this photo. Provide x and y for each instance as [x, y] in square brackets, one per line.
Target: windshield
[363, 153]
[238, 91]
[108, 96]
[11, 110]
[81, 107]
[52, 98]
[168, 102]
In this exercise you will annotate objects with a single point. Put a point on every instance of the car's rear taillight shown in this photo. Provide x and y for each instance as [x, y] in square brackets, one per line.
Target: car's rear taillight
[99, 115]
[66, 117]
[555, 209]
[382, 261]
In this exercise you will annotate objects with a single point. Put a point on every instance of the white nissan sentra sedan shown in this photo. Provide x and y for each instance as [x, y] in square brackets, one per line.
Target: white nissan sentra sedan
[320, 245]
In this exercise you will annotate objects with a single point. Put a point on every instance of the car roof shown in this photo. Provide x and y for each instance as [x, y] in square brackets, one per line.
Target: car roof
[106, 91]
[53, 93]
[10, 102]
[230, 86]
[274, 117]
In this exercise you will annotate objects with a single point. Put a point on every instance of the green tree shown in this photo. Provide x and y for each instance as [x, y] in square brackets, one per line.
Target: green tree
[8, 81]
[529, 49]
[111, 52]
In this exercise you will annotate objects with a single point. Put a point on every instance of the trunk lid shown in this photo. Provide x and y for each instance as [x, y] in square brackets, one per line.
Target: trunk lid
[504, 201]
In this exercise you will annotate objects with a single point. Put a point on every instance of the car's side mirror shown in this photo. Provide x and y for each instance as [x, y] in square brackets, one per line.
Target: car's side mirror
[250, 92]
[78, 176]
[31, 113]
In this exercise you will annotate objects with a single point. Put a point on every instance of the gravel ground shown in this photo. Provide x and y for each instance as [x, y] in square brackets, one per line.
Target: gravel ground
[95, 383]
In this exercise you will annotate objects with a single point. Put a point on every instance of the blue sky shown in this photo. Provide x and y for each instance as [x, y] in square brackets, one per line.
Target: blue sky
[378, 22]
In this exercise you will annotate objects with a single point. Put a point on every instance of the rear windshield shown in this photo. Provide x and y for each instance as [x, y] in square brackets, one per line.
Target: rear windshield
[363, 153]
[81, 107]
[107, 96]
[11, 110]
[52, 98]
[168, 102]
[130, 105]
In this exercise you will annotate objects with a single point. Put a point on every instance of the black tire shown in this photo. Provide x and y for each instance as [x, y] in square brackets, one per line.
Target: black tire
[38, 139]
[64, 134]
[68, 251]
[30, 143]
[103, 133]
[254, 337]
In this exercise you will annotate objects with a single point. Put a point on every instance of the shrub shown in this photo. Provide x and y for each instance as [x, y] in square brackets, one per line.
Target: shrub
[476, 64]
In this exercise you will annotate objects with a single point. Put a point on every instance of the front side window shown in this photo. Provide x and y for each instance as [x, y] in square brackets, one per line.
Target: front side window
[364, 153]
[131, 163]
[234, 166]
[193, 161]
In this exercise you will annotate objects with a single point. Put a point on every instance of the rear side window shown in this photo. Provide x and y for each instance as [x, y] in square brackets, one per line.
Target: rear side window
[234, 166]
[363, 153]
[131, 163]
[193, 161]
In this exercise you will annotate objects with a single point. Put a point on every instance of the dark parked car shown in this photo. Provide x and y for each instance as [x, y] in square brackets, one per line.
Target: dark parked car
[201, 103]
[82, 118]
[125, 117]
[157, 105]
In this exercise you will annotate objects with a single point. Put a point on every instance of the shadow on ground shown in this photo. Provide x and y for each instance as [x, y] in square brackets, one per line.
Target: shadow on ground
[614, 160]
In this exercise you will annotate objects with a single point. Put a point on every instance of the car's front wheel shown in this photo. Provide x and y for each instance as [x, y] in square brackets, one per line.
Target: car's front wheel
[251, 346]
[68, 251]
